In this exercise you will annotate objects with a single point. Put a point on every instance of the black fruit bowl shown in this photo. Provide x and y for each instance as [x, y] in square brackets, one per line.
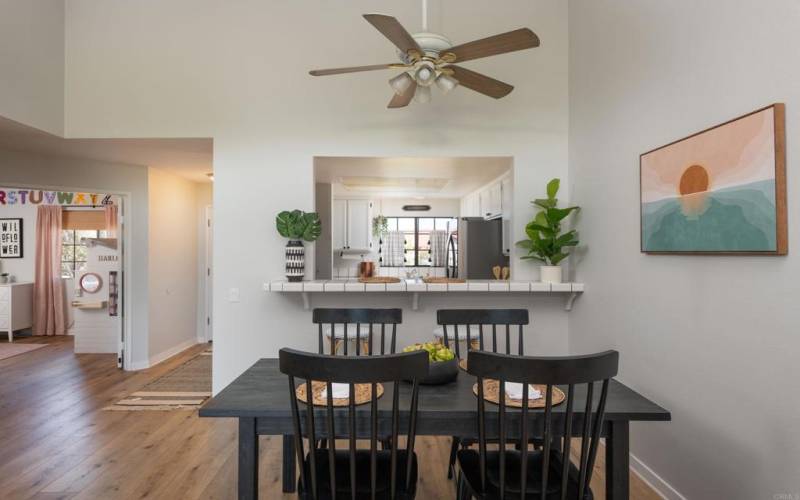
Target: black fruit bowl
[441, 372]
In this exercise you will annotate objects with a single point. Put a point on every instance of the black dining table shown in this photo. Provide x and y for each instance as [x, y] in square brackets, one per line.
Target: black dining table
[259, 398]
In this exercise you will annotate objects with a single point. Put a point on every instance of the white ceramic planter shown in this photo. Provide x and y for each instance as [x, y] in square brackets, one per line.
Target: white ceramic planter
[550, 274]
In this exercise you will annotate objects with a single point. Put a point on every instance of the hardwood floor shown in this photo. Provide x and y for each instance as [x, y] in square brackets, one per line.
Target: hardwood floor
[56, 443]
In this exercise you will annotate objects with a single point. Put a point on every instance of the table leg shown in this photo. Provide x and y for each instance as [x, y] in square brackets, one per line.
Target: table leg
[617, 460]
[248, 459]
[289, 472]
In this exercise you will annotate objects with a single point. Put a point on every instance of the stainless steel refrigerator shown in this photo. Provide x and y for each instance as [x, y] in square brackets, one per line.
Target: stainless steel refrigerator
[479, 245]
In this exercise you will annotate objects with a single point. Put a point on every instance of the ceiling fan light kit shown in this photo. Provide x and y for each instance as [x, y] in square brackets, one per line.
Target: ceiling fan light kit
[446, 83]
[401, 83]
[422, 95]
[428, 58]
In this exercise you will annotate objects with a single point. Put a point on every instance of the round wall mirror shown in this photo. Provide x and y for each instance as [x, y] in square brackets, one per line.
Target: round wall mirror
[91, 282]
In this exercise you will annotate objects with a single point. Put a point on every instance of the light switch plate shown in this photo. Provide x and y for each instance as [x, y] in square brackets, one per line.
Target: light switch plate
[233, 295]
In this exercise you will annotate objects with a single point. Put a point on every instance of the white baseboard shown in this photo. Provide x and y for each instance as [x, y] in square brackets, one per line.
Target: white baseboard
[163, 356]
[653, 480]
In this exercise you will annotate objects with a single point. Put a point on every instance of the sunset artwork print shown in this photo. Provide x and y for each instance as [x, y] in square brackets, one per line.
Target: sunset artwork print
[720, 191]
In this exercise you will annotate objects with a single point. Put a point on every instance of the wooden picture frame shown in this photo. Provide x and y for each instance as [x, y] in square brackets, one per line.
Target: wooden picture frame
[759, 136]
[11, 238]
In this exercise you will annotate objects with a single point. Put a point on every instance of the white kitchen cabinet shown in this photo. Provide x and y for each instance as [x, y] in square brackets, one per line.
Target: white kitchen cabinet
[507, 187]
[483, 204]
[352, 225]
[339, 224]
[491, 201]
[470, 206]
[358, 225]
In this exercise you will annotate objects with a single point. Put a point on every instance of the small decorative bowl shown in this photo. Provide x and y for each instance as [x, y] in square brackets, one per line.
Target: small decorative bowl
[441, 372]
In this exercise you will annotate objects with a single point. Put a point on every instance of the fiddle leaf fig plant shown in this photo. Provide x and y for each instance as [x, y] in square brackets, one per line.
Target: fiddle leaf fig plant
[545, 240]
[297, 225]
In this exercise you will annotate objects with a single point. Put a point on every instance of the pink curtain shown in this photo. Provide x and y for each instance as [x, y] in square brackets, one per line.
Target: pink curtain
[111, 220]
[48, 290]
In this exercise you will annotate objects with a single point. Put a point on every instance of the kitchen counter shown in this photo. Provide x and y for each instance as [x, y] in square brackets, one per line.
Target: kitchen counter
[417, 286]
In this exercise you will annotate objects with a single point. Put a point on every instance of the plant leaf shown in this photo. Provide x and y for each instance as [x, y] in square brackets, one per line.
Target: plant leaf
[283, 222]
[555, 259]
[540, 202]
[552, 188]
[532, 226]
[313, 226]
[559, 214]
[525, 244]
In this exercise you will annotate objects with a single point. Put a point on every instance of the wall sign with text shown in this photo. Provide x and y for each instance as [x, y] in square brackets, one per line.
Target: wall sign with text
[41, 197]
[11, 238]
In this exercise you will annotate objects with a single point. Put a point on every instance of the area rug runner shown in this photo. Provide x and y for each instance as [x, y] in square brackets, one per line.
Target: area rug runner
[184, 388]
[9, 350]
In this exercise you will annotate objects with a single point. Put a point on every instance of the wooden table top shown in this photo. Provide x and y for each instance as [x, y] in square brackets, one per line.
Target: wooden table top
[263, 392]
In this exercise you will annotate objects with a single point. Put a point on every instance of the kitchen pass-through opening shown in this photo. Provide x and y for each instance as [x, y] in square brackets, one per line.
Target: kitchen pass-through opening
[413, 217]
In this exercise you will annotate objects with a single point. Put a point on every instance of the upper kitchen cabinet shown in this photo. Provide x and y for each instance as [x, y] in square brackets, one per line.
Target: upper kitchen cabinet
[492, 201]
[352, 225]
[471, 205]
[507, 187]
[339, 225]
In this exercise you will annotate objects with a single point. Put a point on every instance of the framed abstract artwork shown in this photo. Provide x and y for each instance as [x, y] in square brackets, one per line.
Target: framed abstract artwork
[719, 191]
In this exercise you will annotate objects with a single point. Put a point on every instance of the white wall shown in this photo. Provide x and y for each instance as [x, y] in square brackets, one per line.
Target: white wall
[212, 74]
[713, 339]
[33, 170]
[173, 280]
[32, 63]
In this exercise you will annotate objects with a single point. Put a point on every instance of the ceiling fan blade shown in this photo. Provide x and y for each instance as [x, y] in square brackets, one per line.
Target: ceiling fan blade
[394, 31]
[402, 100]
[520, 39]
[351, 69]
[480, 83]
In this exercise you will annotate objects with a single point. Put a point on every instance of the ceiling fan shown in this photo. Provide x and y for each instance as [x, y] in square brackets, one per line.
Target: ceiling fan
[429, 58]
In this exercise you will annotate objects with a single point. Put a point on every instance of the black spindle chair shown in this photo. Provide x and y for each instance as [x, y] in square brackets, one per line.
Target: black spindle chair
[357, 474]
[547, 473]
[381, 322]
[509, 322]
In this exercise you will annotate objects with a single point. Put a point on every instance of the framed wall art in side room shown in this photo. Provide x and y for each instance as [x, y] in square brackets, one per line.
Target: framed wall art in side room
[721, 191]
[11, 238]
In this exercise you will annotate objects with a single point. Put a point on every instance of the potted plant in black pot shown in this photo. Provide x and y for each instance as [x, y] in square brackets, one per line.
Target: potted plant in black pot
[297, 226]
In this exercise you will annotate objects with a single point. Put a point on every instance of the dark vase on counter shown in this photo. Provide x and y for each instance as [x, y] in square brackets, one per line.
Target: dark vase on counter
[295, 260]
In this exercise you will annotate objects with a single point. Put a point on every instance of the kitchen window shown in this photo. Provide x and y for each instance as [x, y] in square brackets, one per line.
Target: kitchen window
[417, 232]
[73, 252]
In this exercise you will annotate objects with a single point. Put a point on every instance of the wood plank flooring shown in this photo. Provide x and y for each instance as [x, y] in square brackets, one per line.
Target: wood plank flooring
[55, 443]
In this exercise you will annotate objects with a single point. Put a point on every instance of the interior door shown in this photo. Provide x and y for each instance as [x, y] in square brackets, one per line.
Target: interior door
[339, 227]
[358, 224]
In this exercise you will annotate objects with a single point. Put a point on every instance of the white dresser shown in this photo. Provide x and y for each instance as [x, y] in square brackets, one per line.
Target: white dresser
[16, 307]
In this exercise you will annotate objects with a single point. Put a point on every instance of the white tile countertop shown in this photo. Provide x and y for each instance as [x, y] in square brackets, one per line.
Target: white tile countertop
[416, 286]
